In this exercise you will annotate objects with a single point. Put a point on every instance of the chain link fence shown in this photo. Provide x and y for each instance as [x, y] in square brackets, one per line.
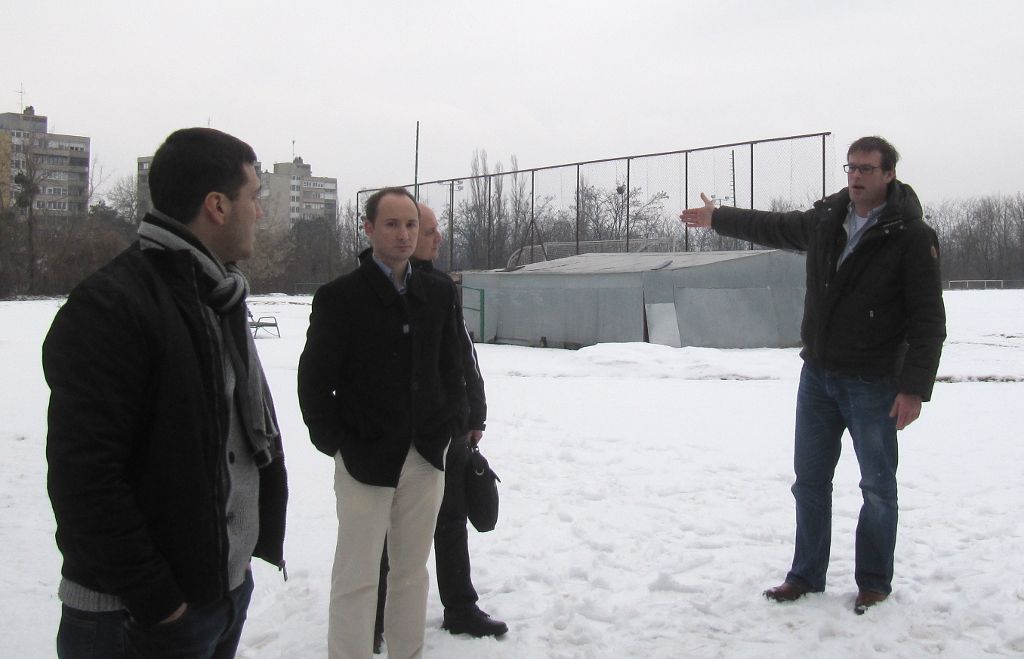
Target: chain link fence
[629, 204]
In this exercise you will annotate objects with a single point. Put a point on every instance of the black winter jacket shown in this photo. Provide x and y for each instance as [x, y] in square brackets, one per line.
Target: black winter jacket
[381, 372]
[477, 399]
[136, 438]
[880, 312]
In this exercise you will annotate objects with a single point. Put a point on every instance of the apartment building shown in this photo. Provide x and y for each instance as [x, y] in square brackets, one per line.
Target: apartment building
[291, 193]
[145, 200]
[58, 163]
[6, 177]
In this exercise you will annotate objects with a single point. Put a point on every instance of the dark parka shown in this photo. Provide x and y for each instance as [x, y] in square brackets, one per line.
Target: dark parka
[476, 397]
[381, 372]
[136, 439]
[880, 312]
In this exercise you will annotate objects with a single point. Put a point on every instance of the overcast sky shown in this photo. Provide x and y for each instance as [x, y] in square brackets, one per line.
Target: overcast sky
[549, 81]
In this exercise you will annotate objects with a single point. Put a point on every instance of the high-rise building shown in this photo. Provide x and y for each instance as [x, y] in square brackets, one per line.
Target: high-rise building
[6, 177]
[292, 192]
[58, 163]
[144, 199]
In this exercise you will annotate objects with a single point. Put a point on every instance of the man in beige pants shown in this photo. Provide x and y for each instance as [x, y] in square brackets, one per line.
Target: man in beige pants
[382, 392]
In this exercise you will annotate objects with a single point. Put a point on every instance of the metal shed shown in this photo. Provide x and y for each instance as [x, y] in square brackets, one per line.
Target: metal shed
[741, 299]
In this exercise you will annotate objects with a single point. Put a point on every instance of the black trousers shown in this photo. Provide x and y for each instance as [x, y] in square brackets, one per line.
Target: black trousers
[451, 541]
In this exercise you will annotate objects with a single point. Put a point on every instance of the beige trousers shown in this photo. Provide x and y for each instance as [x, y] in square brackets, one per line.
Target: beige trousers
[367, 514]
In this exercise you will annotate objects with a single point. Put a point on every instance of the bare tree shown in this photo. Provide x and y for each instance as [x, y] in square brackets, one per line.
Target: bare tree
[497, 220]
[471, 216]
[13, 241]
[647, 217]
[97, 179]
[519, 204]
[29, 181]
[123, 197]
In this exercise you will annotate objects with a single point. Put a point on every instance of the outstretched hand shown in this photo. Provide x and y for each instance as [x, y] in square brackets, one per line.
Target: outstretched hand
[700, 217]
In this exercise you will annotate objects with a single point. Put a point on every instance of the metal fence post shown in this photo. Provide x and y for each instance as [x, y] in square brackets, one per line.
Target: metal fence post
[577, 210]
[451, 225]
[628, 161]
[489, 223]
[686, 198]
[824, 192]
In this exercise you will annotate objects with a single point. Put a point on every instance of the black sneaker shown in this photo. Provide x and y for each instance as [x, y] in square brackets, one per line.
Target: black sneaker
[474, 622]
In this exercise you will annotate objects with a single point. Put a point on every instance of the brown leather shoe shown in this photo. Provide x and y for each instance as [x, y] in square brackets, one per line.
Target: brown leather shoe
[867, 599]
[787, 591]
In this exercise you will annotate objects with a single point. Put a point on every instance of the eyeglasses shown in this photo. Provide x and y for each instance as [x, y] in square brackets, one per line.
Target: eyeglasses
[849, 168]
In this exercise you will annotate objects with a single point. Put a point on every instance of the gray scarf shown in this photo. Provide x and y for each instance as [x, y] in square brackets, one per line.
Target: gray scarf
[252, 395]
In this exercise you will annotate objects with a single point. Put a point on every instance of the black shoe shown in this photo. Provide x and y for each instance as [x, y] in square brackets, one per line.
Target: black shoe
[378, 642]
[474, 622]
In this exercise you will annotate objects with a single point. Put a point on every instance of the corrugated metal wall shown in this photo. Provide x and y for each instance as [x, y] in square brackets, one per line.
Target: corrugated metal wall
[738, 300]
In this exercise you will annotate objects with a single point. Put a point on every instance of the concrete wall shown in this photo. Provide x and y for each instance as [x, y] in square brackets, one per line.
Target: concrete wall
[556, 310]
[750, 302]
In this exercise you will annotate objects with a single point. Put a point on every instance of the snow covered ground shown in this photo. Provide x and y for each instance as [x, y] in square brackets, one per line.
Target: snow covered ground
[645, 505]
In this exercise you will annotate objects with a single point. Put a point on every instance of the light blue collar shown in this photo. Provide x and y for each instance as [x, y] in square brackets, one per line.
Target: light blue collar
[387, 270]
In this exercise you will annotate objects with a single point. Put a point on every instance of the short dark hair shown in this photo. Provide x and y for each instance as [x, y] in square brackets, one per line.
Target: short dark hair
[192, 163]
[374, 201]
[890, 156]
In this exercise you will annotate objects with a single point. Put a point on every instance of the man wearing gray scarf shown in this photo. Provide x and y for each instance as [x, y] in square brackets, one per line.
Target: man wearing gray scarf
[166, 469]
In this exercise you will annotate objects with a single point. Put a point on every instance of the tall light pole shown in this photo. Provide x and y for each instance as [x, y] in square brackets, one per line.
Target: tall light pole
[416, 166]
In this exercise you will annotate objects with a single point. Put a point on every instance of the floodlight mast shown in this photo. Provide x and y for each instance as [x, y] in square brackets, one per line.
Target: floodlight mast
[416, 166]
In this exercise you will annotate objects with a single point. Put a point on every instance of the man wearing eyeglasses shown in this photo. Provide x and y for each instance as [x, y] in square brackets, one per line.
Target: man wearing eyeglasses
[872, 333]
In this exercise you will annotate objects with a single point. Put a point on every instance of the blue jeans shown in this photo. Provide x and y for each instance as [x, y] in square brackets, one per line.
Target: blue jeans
[827, 404]
[205, 632]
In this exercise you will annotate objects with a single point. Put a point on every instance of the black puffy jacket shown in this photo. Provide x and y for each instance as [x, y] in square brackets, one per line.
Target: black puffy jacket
[136, 436]
[880, 312]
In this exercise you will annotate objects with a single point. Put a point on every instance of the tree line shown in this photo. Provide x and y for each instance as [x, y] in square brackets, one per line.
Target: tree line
[46, 253]
[981, 237]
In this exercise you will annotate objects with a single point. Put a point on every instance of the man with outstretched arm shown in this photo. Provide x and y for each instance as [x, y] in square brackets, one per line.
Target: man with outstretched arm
[166, 469]
[872, 332]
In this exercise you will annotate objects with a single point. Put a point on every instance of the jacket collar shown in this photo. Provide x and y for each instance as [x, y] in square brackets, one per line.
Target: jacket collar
[426, 266]
[901, 206]
[383, 287]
